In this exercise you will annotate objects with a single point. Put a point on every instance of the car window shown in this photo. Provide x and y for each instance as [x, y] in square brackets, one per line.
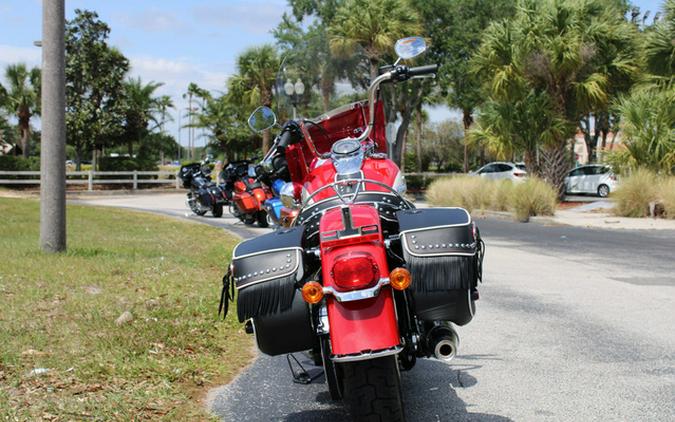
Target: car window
[575, 172]
[588, 171]
[602, 170]
[521, 166]
[504, 167]
[490, 168]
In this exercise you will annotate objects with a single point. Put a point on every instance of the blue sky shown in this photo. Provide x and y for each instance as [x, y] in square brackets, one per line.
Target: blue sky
[168, 41]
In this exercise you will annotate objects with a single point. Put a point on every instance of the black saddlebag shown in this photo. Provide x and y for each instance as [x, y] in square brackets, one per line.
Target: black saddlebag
[288, 331]
[443, 251]
[265, 271]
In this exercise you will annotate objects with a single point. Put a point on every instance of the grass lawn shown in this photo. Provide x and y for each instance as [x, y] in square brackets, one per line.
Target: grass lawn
[58, 312]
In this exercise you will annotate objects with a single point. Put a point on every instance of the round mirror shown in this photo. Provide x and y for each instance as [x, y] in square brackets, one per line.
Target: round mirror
[261, 119]
[407, 48]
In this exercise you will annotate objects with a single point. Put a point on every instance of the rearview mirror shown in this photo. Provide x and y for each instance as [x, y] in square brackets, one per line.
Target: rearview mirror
[407, 48]
[262, 119]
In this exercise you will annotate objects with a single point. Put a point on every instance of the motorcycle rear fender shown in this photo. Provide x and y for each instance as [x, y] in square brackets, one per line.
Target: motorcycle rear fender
[366, 325]
[246, 202]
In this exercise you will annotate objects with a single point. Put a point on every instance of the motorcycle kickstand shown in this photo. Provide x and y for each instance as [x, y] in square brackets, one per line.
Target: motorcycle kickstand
[302, 376]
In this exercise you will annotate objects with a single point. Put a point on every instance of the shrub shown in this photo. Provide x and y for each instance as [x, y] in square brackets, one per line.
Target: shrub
[529, 198]
[126, 164]
[12, 163]
[634, 194]
[461, 191]
[502, 195]
[667, 196]
[533, 197]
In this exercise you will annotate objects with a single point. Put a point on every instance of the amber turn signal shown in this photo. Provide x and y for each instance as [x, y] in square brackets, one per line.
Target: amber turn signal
[312, 292]
[400, 278]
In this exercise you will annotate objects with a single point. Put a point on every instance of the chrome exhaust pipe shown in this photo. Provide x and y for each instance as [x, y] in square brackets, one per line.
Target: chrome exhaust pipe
[443, 342]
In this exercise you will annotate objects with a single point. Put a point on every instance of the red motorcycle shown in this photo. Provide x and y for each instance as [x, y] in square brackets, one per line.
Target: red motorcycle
[248, 196]
[361, 277]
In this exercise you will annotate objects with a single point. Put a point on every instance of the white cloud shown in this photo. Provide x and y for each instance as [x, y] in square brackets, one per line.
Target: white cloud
[153, 19]
[176, 75]
[13, 54]
[256, 17]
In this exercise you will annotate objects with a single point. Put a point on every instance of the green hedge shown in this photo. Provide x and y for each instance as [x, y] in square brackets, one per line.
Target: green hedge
[126, 164]
[12, 163]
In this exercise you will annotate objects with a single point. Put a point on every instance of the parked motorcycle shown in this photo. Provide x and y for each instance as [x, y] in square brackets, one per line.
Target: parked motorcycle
[361, 277]
[248, 194]
[203, 195]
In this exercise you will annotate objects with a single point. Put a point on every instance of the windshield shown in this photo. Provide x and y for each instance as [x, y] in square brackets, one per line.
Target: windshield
[330, 105]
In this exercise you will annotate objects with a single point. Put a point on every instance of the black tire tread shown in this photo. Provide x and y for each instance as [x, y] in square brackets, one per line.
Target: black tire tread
[372, 391]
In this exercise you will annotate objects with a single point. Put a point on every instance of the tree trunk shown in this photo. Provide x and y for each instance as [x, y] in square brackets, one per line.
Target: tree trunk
[400, 135]
[467, 120]
[531, 163]
[326, 89]
[25, 138]
[555, 166]
[374, 69]
[265, 141]
[94, 156]
[418, 138]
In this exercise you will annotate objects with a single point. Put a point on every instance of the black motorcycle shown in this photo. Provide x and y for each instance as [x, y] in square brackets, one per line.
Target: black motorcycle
[204, 195]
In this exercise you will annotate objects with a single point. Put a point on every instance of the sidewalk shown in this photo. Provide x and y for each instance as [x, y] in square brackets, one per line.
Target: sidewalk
[606, 220]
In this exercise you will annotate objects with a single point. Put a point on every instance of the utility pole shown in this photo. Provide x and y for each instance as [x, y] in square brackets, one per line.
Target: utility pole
[53, 142]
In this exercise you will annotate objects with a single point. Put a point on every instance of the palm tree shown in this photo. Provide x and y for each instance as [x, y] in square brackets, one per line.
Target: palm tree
[374, 26]
[558, 49]
[21, 97]
[252, 86]
[143, 107]
[660, 48]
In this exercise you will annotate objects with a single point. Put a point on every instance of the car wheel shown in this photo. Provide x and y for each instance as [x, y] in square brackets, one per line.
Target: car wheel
[603, 191]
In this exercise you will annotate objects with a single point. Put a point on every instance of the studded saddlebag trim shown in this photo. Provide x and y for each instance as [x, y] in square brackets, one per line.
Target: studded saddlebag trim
[266, 279]
[442, 256]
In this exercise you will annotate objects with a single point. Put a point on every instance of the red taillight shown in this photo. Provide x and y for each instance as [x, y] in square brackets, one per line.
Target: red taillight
[355, 270]
[612, 177]
[519, 174]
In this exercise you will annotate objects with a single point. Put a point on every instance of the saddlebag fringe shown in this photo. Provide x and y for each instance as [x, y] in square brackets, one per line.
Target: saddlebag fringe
[441, 273]
[266, 298]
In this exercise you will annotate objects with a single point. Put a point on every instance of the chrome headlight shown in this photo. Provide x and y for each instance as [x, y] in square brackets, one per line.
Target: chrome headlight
[347, 156]
[287, 196]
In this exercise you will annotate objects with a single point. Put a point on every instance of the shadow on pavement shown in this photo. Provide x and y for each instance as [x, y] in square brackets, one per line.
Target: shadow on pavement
[429, 394]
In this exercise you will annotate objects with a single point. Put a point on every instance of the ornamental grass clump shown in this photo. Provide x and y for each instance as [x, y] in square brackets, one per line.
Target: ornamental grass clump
[533, 197]
[634, 194]
[468, 192]
[667, 196]
[502, 195]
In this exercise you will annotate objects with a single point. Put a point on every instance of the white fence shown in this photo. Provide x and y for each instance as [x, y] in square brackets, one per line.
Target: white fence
[91, 178]
[133, 178]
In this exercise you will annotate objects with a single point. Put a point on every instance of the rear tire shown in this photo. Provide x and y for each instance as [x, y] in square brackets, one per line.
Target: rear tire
[217, 210]
[332, 371]
[261, 217]
[603, 191]
[372, 390]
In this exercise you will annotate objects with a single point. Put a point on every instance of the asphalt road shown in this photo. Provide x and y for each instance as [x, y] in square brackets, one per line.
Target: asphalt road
[573, 324]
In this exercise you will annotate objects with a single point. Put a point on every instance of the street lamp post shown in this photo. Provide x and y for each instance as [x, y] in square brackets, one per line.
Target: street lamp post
[294, 91]
[53, 138]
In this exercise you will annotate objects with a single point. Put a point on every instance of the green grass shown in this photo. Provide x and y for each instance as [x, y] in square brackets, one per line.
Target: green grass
[58, 312]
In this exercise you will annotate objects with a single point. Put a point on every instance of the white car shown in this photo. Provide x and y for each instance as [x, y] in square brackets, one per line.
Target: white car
[501, 170]
[594, 178]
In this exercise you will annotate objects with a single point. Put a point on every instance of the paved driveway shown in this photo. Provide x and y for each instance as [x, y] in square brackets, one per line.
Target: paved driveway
[573, 325]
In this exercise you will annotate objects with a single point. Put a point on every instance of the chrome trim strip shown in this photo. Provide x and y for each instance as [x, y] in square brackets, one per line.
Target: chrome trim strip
[293, 270]
[357, 294]
[407, 249]
[368, 355]
[234, 253]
